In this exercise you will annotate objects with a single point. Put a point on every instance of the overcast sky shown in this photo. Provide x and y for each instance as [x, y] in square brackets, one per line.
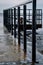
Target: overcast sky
[10, 3]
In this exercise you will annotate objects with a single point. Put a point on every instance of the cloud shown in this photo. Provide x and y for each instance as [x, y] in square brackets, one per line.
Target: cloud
[40, 4]
[15, 2]
[6, 1]
[10, 3]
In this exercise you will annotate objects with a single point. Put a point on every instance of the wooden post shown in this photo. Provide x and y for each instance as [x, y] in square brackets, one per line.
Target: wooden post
[34, 32]
[41, 17]
[14, 22]
[24, 11]
[4, 17]
[9, 20]
[19, 26]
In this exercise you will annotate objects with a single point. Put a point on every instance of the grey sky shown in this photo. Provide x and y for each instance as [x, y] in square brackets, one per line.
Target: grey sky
[10, 3]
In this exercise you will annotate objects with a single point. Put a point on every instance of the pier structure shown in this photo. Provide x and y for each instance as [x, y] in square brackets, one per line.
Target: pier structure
[31, 20]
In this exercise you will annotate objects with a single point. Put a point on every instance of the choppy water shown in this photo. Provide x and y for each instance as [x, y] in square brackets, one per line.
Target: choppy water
[9, 51]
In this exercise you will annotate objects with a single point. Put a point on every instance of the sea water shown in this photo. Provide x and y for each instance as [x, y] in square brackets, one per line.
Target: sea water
[39, 43]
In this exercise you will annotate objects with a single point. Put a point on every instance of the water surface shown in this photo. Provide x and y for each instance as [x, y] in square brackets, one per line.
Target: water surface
[10, 52]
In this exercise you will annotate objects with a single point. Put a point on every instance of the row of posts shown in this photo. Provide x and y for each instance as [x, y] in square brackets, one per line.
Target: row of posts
[8, 22]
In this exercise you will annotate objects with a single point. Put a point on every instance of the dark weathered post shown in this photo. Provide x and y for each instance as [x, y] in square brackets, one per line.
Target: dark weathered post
[41, 17]
[8, 20]
[34, 32]
[14, 22]
[24, 11]
[4, 17]
[19, 26]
